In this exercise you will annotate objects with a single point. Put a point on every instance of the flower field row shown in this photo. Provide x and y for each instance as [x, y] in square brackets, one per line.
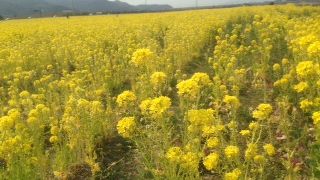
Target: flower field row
[204, 94]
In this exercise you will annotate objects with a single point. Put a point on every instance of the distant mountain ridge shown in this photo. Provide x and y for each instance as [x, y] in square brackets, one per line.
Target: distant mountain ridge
[93, 5]
[26, 8]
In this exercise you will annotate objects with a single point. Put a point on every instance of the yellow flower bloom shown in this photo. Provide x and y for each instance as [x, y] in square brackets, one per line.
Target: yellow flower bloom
[208, 131]
[316, 102]
[6, 123]
[24, 94]
[142, 56]
[12, 103]
[231, 152]
[251, 151]
[96, 107]
[212, 142]
[193, 129]
[31, 120]
[314, 48]
[269, 149]
[201, 117]
[316, 118]
[14, 114]
[158, 79]
[54, 139]
[155, 108]
[188, 89]
[259, 159]
[58, 174]
[235, 88]
[306, 105]
[276, 67]
[305, 69]
[262, 112]
[240, 72]
[190, 161]
[126, 127]
[245, 133]
[232, 101]
[301, 87]
[174, 154]
[41, 108]
[220, 128]
[211, 161]
[233, 125]
[83, 104]
[54, 130]
[233, 175]
[223, 88]
[283, 82]
[126, 99]
[285, 61]
[202, 79]
[95, 168]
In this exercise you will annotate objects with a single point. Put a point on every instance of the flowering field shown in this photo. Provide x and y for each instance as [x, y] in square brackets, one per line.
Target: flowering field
[208, 94]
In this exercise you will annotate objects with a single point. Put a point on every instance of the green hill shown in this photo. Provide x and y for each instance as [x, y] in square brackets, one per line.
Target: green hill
[26, 8]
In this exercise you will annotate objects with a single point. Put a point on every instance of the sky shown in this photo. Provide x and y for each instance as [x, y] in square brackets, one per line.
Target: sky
[188, 3]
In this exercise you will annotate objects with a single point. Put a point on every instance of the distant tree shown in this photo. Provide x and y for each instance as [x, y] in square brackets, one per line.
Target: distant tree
[1, 18]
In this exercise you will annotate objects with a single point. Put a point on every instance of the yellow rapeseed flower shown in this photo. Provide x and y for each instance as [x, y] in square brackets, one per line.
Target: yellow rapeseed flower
[316, 118]
[232, 101]
[14, 114]
[126, 99]
[284, 61]
[262, 112]
[233, 175]
[269, 149]
[254, 126]
[142, 56]
[276, 67]
[211, 161]
[24, 94]
[202, 79]
[306, 105]
[174, 154]
[245, 133]
[188, 89]
[54, 139]
[212, 142]
[283, 82]
[301, 87]
[201, 117]
[54, 130]
[305, 69]
[259, 159]
[126, 127]
[314, 48]
[155, 108]
[251, 151]
[158, 79]
[96, 107]
[190, 161]
[208, 130]
[231, 152]
[6, 123]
